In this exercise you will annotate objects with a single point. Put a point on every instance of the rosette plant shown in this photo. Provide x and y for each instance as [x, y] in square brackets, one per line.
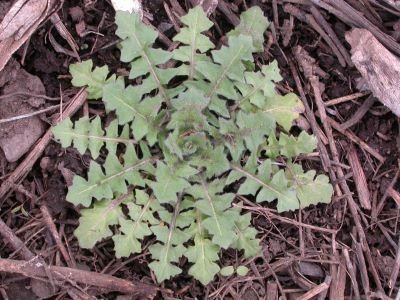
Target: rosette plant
[194, 128]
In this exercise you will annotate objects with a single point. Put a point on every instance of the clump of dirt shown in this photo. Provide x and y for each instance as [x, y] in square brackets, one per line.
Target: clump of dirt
[17, 137]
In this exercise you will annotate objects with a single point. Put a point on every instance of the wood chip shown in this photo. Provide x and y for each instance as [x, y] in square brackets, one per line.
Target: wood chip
[378, 66]
[359, 178]
[20, 23]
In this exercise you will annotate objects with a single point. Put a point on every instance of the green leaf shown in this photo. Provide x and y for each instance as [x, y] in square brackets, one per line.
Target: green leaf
[89, 135]
[191, 99]
[217, 162]
[162, 266]
[135, 34]
[197, 22]
[137, 39]
[132, 231]
[311, 189]
[83, 74]
[220, 220]
[106, 185]
[254, 24]
[227, 271]
[246, 237]
[203, 254]
[256, 89]
[169, 250]
[233, 138]
[271, 188]
[231, 67]
[271, 71]
[94, 223]
[168, 184]
[242, 270]
[290, 146]
[188, 115]
[128, 106]
[254, 127]
[284, 109]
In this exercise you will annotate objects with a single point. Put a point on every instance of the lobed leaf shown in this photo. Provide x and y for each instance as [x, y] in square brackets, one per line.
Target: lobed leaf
[197, 22]
[203, 255]
[133, 230]
[246, 237]
[94, 223]
[169, 250]
[228, 66]
[136, 48]
[289, 146]
[268, 187]
[86, 134]
[83, 74]
[219, 220]
[129, 107]
[112, 182]
[254, 127]
[168, 184]
[310, 189]
[254, 24]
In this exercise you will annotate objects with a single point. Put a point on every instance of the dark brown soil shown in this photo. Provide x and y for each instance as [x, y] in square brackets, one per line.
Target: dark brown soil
[296, 259]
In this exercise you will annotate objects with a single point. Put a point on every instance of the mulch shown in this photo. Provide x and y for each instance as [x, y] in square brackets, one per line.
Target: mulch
[349, 249]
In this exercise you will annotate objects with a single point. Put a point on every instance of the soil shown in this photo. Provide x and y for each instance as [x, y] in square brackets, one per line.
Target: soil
[295, 258]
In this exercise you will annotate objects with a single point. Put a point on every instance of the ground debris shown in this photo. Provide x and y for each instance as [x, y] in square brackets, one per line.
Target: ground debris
[17, 137]
[378, 66]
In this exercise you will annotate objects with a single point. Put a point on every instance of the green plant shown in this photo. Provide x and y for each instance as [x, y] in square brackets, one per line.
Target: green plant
[197, 129]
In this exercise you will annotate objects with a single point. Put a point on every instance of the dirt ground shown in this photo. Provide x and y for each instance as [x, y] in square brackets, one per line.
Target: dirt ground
[319, 249]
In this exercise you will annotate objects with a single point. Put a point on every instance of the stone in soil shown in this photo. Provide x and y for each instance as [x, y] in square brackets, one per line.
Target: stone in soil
[17, 137]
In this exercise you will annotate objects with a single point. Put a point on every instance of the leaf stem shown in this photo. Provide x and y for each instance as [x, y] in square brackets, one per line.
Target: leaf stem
[224, 73]
[255, 178]
[172, 227]
[124, 171]
[101, 138]
[203, 184]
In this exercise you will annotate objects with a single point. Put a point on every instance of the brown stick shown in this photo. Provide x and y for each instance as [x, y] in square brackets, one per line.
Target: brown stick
[359, 178]
[363, 268]
[317, 290]
[53, 230]
[352, 274]
[311, 20]
[18, 246]
[355, 139]
[271, 215]
[15, 243]
[385, 195]
[328, 130]
[360, 113]
[177, 8]
[325, 25]
[337, 291]
[396, 268]
[346, 98]
[26, 165]
[226, 10]
[395, 195]
[311, 118]
[362, 22]
[338, 13]
[34, 269]
[372, 269]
